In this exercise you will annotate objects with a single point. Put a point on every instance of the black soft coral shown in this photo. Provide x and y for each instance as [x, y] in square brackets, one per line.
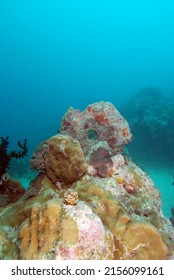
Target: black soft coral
[6, 157]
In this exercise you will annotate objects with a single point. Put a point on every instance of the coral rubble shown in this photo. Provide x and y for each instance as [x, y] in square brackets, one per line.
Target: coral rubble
[89, 201]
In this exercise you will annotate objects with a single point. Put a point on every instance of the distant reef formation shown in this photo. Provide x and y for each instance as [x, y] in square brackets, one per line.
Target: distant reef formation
[151, 118]
[89, 200]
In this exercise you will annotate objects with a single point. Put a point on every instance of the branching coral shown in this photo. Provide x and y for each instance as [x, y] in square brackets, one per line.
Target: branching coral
[6, 157]
[10, 189]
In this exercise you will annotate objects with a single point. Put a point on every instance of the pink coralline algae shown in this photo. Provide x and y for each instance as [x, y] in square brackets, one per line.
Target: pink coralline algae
[99, 122]
[89, 228]
[101, 131]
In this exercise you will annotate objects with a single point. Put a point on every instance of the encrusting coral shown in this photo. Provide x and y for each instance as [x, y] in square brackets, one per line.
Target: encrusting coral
[78, 209]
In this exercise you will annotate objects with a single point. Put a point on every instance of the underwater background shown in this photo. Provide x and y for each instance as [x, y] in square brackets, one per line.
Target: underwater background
[56, 54]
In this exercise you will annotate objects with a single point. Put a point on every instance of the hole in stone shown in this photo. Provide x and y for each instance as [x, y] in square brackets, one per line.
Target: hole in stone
[93, 135]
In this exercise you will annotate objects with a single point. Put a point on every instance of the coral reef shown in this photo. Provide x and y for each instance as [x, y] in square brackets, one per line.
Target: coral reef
[77, 209]
[151, 119]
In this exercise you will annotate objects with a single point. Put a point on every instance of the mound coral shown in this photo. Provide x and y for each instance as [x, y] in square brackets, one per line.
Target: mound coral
[62, 159]
[46, 235]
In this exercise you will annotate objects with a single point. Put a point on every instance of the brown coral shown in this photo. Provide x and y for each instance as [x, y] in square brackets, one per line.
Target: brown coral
[133, 239]
[52, 232]
[62, 160]
[100, 159]
[44, 223]
[10, 190]
[39, 232]
[140, 241]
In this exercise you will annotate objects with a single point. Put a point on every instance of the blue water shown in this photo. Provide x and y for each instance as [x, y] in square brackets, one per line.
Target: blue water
[55, 54]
